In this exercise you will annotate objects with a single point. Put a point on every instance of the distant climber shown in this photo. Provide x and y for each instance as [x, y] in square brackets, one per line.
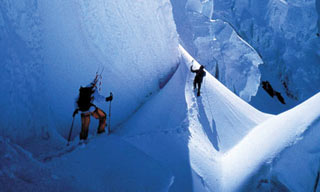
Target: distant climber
[268, 88]
[85, 104]
[200, 73]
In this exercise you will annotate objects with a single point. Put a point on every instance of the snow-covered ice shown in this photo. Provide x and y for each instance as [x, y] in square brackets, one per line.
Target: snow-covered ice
[285, 149]
[215, 142]
[164, 137]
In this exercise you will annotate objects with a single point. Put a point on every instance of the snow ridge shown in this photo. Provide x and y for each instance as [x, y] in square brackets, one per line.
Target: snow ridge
[188, 134]
[277, 138]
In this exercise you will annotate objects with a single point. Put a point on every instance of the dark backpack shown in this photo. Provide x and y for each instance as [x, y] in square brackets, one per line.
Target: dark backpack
[84, 100]
[199, 75]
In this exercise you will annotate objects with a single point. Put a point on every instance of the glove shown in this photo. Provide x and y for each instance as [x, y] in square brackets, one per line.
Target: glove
[75, 112]
[109, 98]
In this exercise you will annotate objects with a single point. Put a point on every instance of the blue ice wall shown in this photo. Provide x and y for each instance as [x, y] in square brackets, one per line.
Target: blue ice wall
[50, 48]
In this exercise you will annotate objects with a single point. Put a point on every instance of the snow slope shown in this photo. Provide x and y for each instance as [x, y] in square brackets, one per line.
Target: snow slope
[108, 163]
[217, 142]
[176, 135]
[188, 134]
[179, 142]
[164, 139]
[281, 153]
[19, 171]
[105, 164]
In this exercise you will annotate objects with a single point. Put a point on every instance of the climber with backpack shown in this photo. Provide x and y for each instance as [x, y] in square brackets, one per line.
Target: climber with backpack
[200, 73]
[85, 104]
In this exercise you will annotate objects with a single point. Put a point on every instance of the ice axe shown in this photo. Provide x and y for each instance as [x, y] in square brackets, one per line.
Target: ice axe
[109, 99]
[70, 132]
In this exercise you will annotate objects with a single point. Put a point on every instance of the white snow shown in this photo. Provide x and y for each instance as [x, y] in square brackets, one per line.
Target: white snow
[189, 134]
[281, 141]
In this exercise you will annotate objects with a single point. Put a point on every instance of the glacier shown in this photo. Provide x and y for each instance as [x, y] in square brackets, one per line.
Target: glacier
[164, 137]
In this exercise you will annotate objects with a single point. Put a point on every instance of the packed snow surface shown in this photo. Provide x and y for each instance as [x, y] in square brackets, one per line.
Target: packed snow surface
[188, 134]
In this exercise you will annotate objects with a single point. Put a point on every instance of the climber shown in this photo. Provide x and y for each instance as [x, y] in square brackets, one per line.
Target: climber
[85, 104]
[200, 73]
[268, 88]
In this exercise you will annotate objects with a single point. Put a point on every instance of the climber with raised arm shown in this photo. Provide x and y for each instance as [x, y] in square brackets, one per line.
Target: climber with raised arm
[200, 73]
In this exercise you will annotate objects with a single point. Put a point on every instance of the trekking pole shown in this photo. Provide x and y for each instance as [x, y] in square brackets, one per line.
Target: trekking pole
[109, 128]
[70, 132]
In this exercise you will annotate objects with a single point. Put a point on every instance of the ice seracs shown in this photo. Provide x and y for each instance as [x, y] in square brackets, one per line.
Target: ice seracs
[284, 33]
[215, 44]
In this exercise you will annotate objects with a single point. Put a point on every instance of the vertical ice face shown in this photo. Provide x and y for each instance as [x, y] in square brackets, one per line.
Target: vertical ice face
[285, 35]
[51, 48]
[216, 45]
[22, 89]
